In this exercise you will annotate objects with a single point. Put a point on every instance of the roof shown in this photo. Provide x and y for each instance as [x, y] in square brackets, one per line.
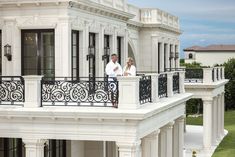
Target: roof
[211, 48]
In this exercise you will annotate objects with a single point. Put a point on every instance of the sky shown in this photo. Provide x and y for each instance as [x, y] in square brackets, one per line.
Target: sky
[203, 22]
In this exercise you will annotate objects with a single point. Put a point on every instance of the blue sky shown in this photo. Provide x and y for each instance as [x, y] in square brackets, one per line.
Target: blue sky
[203, 22]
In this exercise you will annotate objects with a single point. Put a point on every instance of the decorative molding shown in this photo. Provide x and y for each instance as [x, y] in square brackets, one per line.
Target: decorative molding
[36, 22]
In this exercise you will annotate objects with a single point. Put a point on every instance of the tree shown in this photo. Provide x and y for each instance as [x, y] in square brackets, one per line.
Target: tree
[230, 87]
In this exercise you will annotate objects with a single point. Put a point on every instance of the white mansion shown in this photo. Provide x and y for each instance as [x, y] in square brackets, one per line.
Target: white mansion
[55, 100]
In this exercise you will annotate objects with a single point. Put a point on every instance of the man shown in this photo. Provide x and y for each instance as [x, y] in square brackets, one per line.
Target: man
[113, 68]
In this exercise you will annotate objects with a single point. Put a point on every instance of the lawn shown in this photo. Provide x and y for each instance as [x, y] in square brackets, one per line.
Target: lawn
[227, 147]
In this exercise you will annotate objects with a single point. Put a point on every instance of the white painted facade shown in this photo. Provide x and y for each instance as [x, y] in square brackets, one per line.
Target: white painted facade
[150, 36]
[216, 57]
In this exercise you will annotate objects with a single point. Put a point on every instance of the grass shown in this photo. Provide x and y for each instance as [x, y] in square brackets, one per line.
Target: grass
[227, 146]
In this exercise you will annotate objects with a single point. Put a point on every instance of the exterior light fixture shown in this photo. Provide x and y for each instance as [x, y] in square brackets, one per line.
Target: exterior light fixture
[8, 52]
[106, 53]
[91, 53]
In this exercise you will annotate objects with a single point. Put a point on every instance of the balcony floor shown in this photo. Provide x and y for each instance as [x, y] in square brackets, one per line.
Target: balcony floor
[194, 141]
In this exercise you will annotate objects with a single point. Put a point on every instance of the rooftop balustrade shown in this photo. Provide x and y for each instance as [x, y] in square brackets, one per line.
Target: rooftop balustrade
[123, 92]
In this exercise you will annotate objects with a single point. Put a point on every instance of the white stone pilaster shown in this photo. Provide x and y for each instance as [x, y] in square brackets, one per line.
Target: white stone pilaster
[154, 78]
[214, 114]
[207, 123]
[63, 48]
[218, 121]
[34, 147]
[167, 56]
[100, 68]
[162, 57]
[154, 54]
[181, 81]
[222, 111]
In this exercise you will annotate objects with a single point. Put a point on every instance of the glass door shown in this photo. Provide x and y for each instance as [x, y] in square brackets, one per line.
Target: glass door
[75, 55]
[92, 49]
[106, 55]
[38, 56]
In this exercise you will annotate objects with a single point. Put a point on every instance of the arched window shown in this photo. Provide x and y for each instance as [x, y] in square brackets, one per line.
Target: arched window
[190, 56]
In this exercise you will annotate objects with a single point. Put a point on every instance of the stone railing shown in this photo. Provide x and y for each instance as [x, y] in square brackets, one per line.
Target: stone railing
[122, 93]
[157, 16]
[204, 75]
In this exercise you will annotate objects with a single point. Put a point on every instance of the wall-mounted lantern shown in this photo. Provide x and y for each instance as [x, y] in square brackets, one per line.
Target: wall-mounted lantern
[91, 53]
[8, 52]
[106, 54]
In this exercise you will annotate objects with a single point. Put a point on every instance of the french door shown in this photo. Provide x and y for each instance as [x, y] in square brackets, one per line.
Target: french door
[106, 55]
[38, 52]
[55, 148]
[10, 147]
[75, 54]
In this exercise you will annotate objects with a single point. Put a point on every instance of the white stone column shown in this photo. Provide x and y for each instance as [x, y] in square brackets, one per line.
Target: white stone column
[32, 91]
[150, 145]
[214, 113]
[170, 84]
[129, 149]
[222, 111]
[84, 67]
[207, 123]
[173, 59]
[178, 137]
[222, 68]
[166, 145]
[34, 147]
[129, 92]
[219, 120]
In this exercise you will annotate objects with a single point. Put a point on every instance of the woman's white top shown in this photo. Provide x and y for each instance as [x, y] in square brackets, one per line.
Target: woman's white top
[131, 71]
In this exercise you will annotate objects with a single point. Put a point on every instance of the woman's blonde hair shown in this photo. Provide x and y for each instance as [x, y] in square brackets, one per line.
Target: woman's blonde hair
[130, 59]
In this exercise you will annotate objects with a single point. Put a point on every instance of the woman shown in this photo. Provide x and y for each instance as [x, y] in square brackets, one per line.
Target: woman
[129, 69]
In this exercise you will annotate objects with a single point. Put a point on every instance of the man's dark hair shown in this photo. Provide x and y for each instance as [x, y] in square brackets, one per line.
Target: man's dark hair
[114, 55]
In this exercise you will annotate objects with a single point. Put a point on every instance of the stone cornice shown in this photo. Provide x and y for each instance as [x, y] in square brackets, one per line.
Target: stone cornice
[101, 10]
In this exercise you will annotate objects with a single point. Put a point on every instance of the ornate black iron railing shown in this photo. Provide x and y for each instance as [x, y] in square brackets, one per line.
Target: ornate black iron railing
[145, 89]
[162, 85]
[176, 83]
[12, 90]
[99, 92]
[194, 75]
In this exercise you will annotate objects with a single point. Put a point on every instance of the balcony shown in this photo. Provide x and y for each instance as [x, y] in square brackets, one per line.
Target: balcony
[121, 93]
[204, 75]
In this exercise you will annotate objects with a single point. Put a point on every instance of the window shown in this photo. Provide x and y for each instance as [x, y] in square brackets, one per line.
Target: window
[119, 49]
[55, 148]
[75, 54]
[159, 57]
[0, 52]
[10, 147]
[106, 55]
[190, 56]
[38, 56]
[92, 54]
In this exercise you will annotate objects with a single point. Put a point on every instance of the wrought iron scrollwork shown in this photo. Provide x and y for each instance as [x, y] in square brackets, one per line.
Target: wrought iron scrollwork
[176, 83]
[145, 89]
[194, 75]
[101, 92]
[12, 90]
[162, 85]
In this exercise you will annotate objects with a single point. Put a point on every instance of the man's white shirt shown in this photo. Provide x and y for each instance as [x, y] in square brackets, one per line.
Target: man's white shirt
[110, 69]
